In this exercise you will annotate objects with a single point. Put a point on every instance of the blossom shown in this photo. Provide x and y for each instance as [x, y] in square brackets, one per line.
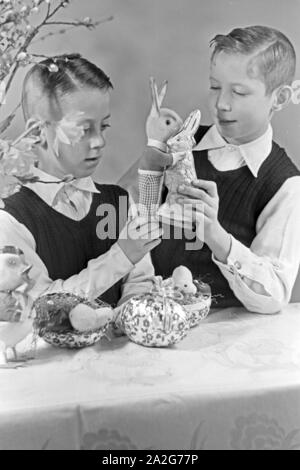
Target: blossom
[53, 68]
[16, 160]
[9, 185]
[21, 56]
[68, 131]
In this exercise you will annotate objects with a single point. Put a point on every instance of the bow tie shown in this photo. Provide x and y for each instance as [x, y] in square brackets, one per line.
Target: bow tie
[68, 194]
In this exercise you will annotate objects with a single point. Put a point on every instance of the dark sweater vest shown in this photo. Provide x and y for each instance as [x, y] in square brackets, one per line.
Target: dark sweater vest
[65, 245]
[242, 199]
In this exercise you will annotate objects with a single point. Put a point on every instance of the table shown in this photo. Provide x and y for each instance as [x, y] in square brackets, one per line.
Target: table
[232, 383]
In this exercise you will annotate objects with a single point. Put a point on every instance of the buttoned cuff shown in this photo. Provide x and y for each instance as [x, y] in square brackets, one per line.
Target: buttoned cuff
[243, 262]
[118, 258]
[239, 259]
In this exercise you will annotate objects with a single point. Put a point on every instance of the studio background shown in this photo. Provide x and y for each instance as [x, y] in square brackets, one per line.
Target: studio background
[168, 39]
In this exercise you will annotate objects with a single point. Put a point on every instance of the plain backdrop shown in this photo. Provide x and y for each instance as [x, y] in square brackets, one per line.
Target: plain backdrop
[168, 39]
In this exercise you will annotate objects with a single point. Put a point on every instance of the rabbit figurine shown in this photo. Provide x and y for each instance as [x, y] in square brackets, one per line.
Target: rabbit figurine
[161, 124]
[183, 169]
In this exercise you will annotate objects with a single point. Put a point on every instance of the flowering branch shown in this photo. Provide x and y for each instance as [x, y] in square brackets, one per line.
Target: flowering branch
[17, 33]
[17, 157]
[87, 22]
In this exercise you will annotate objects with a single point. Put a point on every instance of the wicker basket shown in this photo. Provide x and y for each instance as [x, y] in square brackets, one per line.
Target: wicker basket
[53, 325]
[197, 306]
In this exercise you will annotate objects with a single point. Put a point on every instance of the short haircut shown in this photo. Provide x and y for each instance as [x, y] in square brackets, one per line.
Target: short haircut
[274, 54]
[56, 76]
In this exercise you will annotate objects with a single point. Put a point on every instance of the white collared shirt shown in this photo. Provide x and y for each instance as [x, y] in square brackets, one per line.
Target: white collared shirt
[226, 156]
[262, 276]
[74, 201]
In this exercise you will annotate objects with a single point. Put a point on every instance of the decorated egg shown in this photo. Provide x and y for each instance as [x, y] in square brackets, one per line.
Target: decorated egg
[154, 319]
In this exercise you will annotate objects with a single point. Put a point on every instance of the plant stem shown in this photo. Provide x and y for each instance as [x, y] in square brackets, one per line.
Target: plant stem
[26, 133]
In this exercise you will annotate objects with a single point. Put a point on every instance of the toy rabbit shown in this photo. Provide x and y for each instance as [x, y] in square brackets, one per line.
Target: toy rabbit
[15, 304]
[161, 124]
[182, 171]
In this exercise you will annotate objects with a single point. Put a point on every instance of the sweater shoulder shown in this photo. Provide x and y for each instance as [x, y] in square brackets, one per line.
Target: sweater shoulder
[21, 200]
[278, 166]
[201, 133]
[111, 189]
[273, 173]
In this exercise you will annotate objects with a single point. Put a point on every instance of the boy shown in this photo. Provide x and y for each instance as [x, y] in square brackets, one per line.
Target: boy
[248, 187]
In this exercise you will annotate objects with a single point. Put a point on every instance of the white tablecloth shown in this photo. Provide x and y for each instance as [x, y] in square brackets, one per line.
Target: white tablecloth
[233, 383]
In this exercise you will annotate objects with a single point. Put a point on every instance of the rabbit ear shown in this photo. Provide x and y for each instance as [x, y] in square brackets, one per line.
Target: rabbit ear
[162, 93]
[192, 123]
[155, 99]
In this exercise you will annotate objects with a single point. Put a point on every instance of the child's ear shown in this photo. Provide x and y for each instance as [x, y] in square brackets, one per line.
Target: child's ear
[282, 97]
[38, 132]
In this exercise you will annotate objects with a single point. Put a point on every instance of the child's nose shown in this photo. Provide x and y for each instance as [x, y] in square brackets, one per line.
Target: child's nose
[223, 102]
[97, 141]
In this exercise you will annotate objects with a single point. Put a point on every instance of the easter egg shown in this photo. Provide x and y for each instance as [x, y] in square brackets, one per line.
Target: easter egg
[154, 321]
[85, 318]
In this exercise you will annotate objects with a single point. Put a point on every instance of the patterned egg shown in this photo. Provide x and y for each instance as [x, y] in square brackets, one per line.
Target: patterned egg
[154, 321]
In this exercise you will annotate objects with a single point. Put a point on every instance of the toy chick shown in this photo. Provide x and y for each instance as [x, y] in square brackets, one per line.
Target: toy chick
[15, 320]
[183, 280]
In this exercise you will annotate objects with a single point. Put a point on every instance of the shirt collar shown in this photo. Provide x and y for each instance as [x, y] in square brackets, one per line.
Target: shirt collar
[48, 192]
[253, 153]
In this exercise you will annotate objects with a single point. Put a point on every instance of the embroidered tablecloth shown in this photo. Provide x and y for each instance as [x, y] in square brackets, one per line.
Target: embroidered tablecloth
[232, 383]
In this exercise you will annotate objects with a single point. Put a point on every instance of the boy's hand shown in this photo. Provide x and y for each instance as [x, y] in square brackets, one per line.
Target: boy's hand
[139, 237]
[205, 199]
[155, 160]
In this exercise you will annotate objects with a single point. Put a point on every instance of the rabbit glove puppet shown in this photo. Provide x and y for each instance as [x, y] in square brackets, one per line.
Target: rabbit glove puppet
[161, 124]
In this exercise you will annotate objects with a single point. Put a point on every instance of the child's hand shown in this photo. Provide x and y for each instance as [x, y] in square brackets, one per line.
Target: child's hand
[205, 199]
[139, 237]
[155, 160]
